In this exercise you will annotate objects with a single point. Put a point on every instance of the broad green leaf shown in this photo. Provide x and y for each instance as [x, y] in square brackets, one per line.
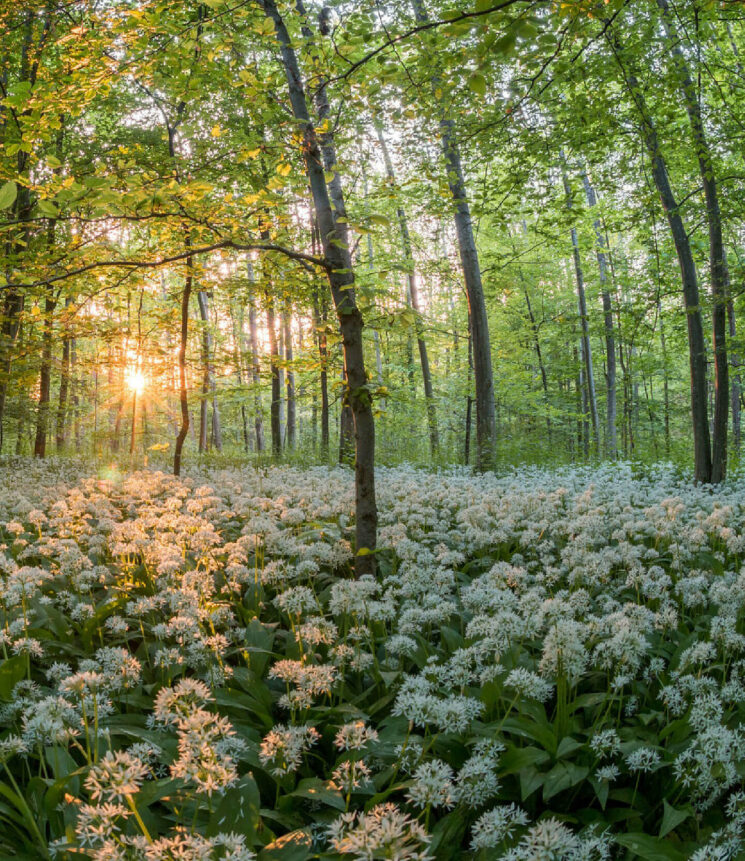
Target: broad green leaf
[238, 810]
[563, 776]
[11, 672]
[315, 789]
[477, 83]
[649, 848]
[376, 218]
[8, 194]
[672, 818]
[294, 846]
[48, 208]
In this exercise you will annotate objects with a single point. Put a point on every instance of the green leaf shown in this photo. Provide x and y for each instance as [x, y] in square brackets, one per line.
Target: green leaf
[602, 787]
[530, 780]
[563, 776]
[672, 818]
[11, 672]
[294, 846]
[566, 746]
[376, 218]
[649, 848]
[48, 208]
[517, 758]
[315, 789]
[477, 83]
[238, 810]
[8, 194]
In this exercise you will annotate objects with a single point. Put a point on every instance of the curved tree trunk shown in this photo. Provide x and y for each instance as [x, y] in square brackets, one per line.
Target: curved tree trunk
[338, 264]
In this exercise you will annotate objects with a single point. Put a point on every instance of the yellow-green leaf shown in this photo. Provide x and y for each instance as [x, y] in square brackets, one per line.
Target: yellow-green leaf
[477, 83]
[8, 193]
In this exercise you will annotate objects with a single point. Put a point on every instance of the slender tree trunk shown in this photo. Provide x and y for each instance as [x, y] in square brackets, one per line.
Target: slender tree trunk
[469, 400]
[64, 386]
[275, 418]
[689, 279]
[585, 346]
[45, 375]
[291, 405]
[611, 436]
[413, 298]
[184, 337]
[665, 380]
[206, 372]
[338, 264]
[717, 256]
[237, 324]
[736, 384]
[320, 320]
[486, 420]
[253, 331]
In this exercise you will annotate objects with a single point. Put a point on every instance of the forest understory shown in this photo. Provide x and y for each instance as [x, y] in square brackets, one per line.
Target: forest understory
[371, 452]
[548, 664]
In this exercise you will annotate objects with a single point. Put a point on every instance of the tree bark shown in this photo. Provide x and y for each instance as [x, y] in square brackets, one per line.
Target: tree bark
[717, 255]
[290, 378]
[253, 331]
[338, 265]
[689, 279]
[275, 418]
[45, 375]
[585, 347]
[413, 298]
[486, 420]
[320, 322]
[184, 337]
[611, 407]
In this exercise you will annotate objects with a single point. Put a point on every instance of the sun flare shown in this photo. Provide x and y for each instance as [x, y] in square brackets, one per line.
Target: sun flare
[136, 381]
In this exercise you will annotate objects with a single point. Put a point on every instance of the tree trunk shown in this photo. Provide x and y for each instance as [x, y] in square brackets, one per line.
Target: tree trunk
[64, 387]
[338, 265]
[469, 400]
[291, 405]
[611, 436]
[45, 374]
[696, 343]
[585, 346]
[486, 420]
[275, 418]
[320, 321]
[736, 385]
[717, 255]
[253, 330]
[206, 372]
[413, 298]
[665, 380]
[183, 391]
[237, 325]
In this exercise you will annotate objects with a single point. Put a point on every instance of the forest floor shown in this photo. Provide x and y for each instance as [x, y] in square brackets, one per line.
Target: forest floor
[549, 664]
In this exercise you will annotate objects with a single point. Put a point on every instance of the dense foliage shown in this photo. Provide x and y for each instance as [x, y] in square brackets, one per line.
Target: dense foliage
[146, 143]
[548, 666]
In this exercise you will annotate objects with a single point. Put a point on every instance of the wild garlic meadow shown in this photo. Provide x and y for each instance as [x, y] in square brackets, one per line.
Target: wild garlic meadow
[548, 666]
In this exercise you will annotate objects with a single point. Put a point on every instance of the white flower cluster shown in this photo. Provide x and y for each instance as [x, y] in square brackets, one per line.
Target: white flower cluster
[575, 619]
